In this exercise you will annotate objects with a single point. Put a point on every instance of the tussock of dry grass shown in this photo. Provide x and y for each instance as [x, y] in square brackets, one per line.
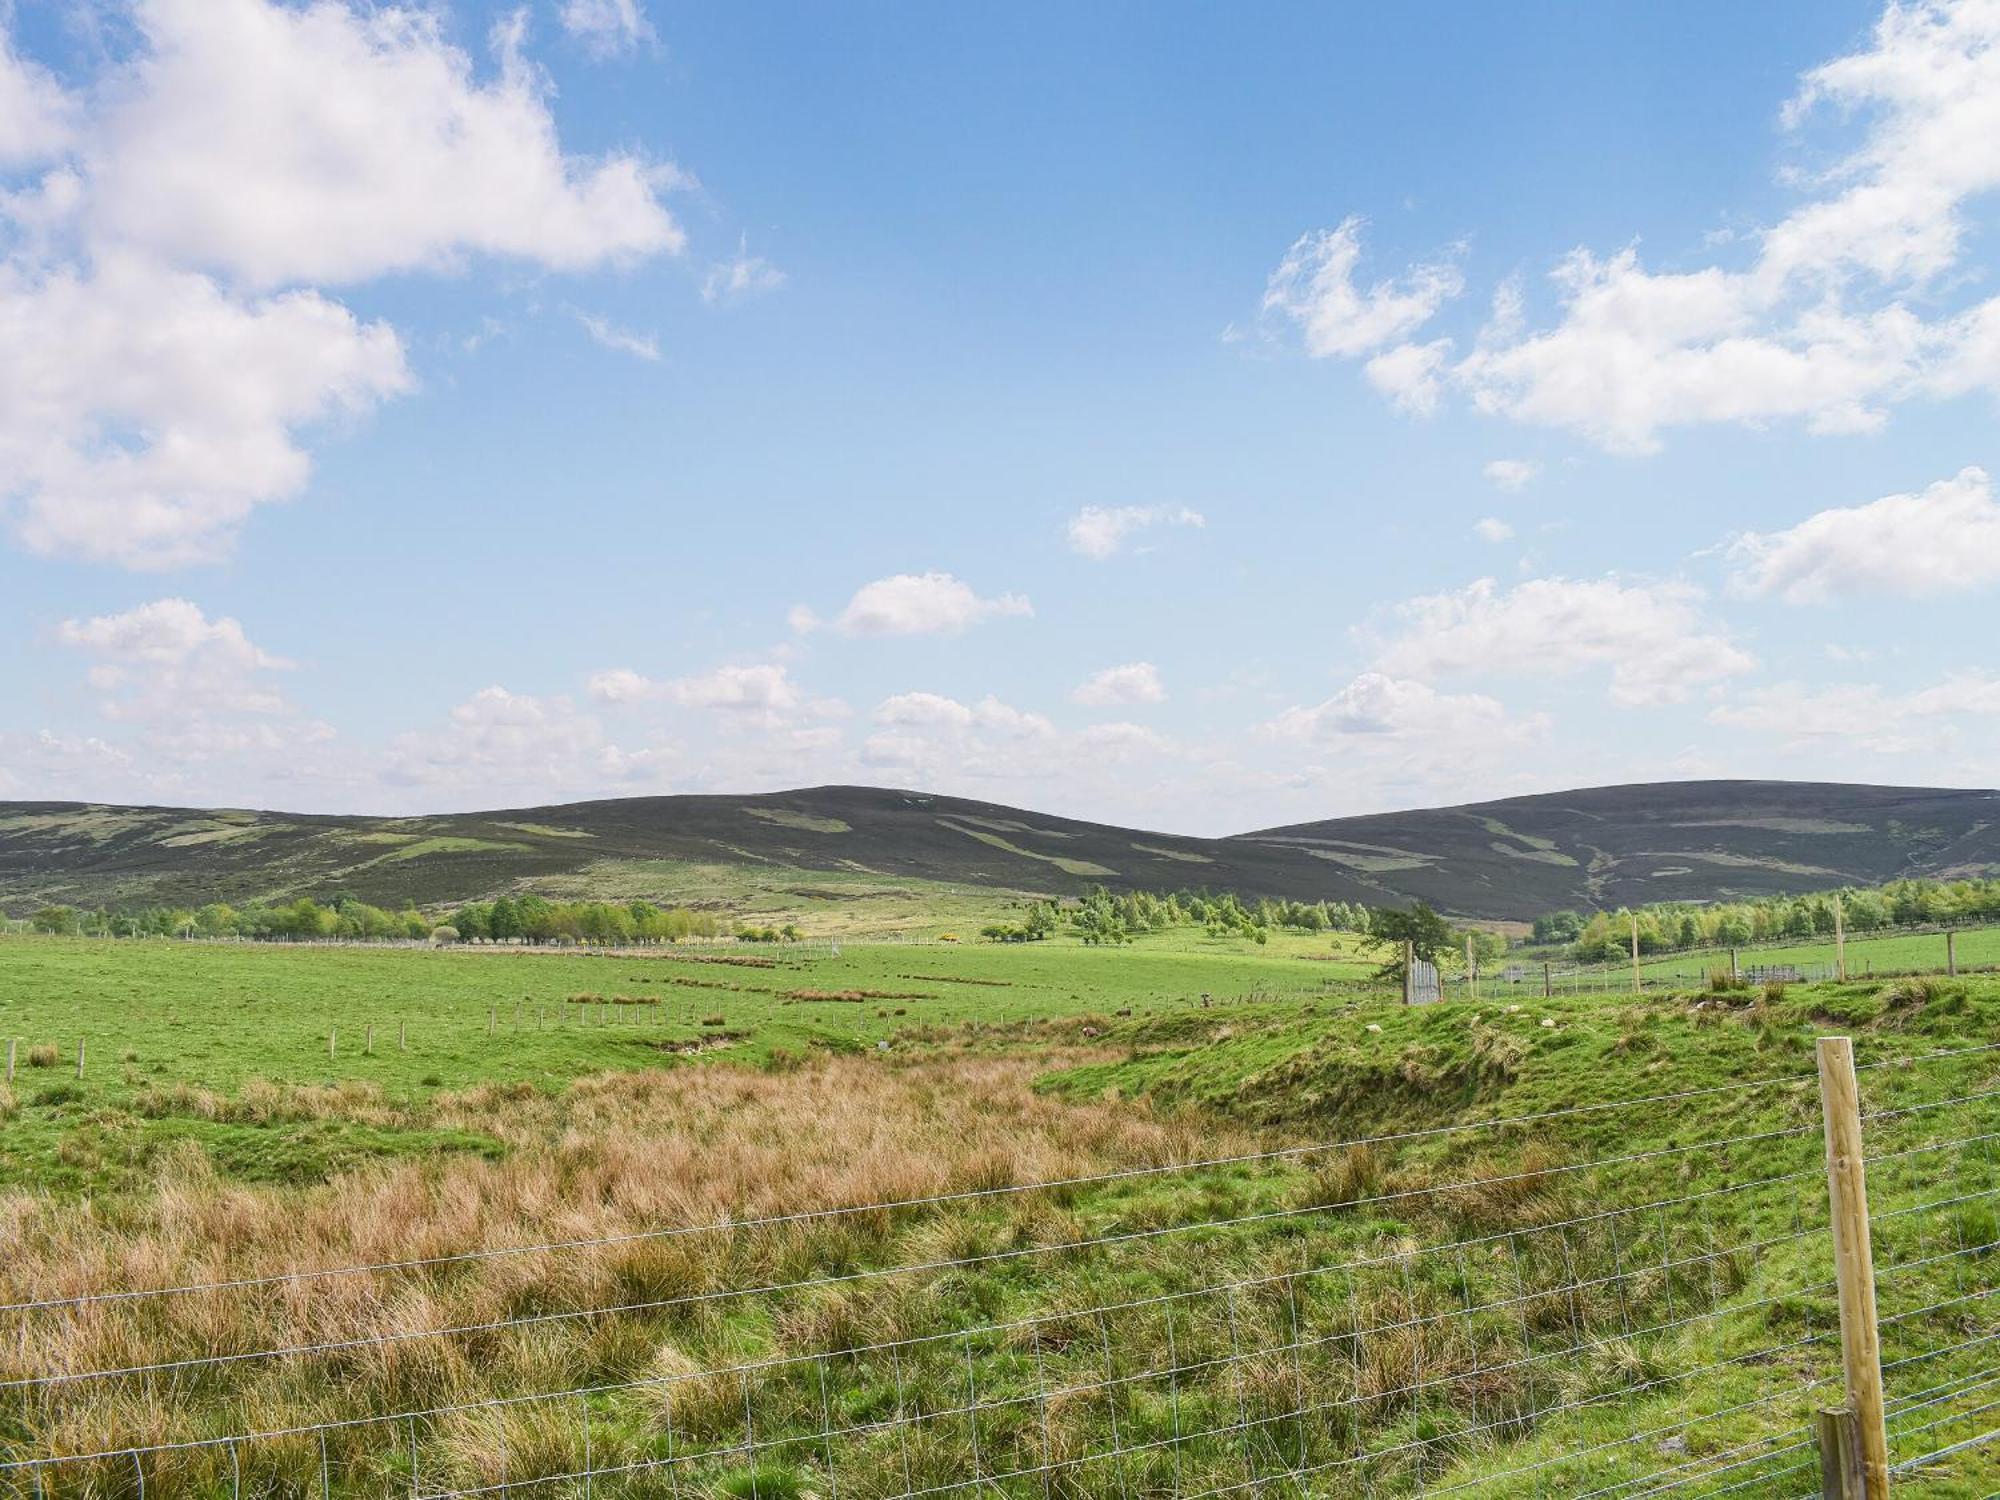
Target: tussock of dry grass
[612, 1156]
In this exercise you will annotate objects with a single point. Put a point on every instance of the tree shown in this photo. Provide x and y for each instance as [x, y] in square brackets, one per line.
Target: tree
[61, 921]
[1430, 937]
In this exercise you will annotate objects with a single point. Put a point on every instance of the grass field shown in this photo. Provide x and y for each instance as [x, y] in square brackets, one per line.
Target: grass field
[1482, 1311]
[161, 1015]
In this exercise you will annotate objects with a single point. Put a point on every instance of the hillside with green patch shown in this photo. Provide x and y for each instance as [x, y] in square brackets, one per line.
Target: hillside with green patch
[847, 849]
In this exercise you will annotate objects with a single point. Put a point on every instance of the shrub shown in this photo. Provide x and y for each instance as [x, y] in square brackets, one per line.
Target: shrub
[1774, 991]
[715, 1020]
[42, 1055]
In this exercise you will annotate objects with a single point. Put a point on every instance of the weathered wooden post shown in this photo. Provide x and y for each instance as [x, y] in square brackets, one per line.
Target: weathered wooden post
[1735, 969]
[332, 1040]
[1471, 971]
[1950, 952]
[1409, 972]
[1854, 1265]
[368, 1047]
[1635, 954]
[79, 1057]
[1840, 1476]
[1839, 941]
[1547, 982]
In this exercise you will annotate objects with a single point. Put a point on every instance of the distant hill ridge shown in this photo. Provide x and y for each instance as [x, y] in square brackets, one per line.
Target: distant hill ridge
[1512, 858]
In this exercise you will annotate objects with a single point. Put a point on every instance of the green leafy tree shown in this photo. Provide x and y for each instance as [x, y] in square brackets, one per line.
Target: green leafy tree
[1430, 937]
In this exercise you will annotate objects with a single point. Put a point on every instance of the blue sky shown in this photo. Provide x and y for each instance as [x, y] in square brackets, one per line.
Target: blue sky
[1169, 414]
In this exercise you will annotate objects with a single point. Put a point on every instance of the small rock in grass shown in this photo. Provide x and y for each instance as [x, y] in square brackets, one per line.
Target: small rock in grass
[1373, 1027]
[1548, 1023]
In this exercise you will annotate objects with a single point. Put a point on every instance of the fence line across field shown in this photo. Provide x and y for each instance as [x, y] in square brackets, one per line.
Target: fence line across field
[1576, 1307]
[1285, 1153]
[965, 1262]
[935, 1200]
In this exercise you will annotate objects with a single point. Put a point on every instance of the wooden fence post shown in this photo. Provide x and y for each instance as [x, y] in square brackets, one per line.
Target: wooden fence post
[332, 1041]
[1735, 969]
[1547, 984]
[1471, 971]
[402, 1036]
[1854, 1265]
[1839, 941]
[1409, 972]
[1839, 1454]
[1636, 987]
[1950, 953]
[79, 1057]
[369, 1046]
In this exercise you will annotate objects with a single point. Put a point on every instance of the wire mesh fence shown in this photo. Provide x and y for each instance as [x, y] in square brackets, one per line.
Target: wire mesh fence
[1449, 1310]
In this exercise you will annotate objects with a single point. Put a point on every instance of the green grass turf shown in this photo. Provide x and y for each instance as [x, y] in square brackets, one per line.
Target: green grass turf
[1289, 1044]
[153, 1014]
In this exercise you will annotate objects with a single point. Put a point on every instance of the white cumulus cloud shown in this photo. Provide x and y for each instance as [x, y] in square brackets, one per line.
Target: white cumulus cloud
[1655, 638]
[1492, 529]
[1848, 305]
[1134, 682]
[334, 143]
[923, 604]
[1509, 473]
[1942, 540]
[1314, 288]
[1375, 706]
[167, 348]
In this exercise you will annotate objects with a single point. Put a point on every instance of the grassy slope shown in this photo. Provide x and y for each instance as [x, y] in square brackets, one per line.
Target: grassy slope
[1272, 1057]
[1511, 859]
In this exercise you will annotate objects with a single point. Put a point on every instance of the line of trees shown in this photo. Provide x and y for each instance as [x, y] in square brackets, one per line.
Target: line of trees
[1665, 926]
[300, 919]
[524, 919]
[1102, 916]
[534, 919]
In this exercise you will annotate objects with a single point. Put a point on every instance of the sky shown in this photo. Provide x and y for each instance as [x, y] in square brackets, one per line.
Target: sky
[1177, 415]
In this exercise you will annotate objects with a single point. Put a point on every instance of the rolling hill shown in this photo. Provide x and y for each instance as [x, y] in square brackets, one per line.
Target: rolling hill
[1513, 858]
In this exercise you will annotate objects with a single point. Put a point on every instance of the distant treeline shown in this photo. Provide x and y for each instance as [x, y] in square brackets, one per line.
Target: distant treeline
[1103, 916]
[530, 919]
[1602, 936]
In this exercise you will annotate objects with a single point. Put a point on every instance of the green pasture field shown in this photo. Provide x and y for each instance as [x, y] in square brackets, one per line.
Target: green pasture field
[157, 1013]
[1293, 1049]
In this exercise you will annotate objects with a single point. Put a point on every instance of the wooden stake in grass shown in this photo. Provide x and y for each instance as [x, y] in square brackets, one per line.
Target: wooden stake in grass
[1854, 1264]
[1548, 986]
[332, 1041]
[1471, 971]
[1839, 941]
[1840, 1475]
[369, 1046]
[1635, 954]
[79, 1057]
[1950, 953]
[1409, 974]
[492, 1018]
